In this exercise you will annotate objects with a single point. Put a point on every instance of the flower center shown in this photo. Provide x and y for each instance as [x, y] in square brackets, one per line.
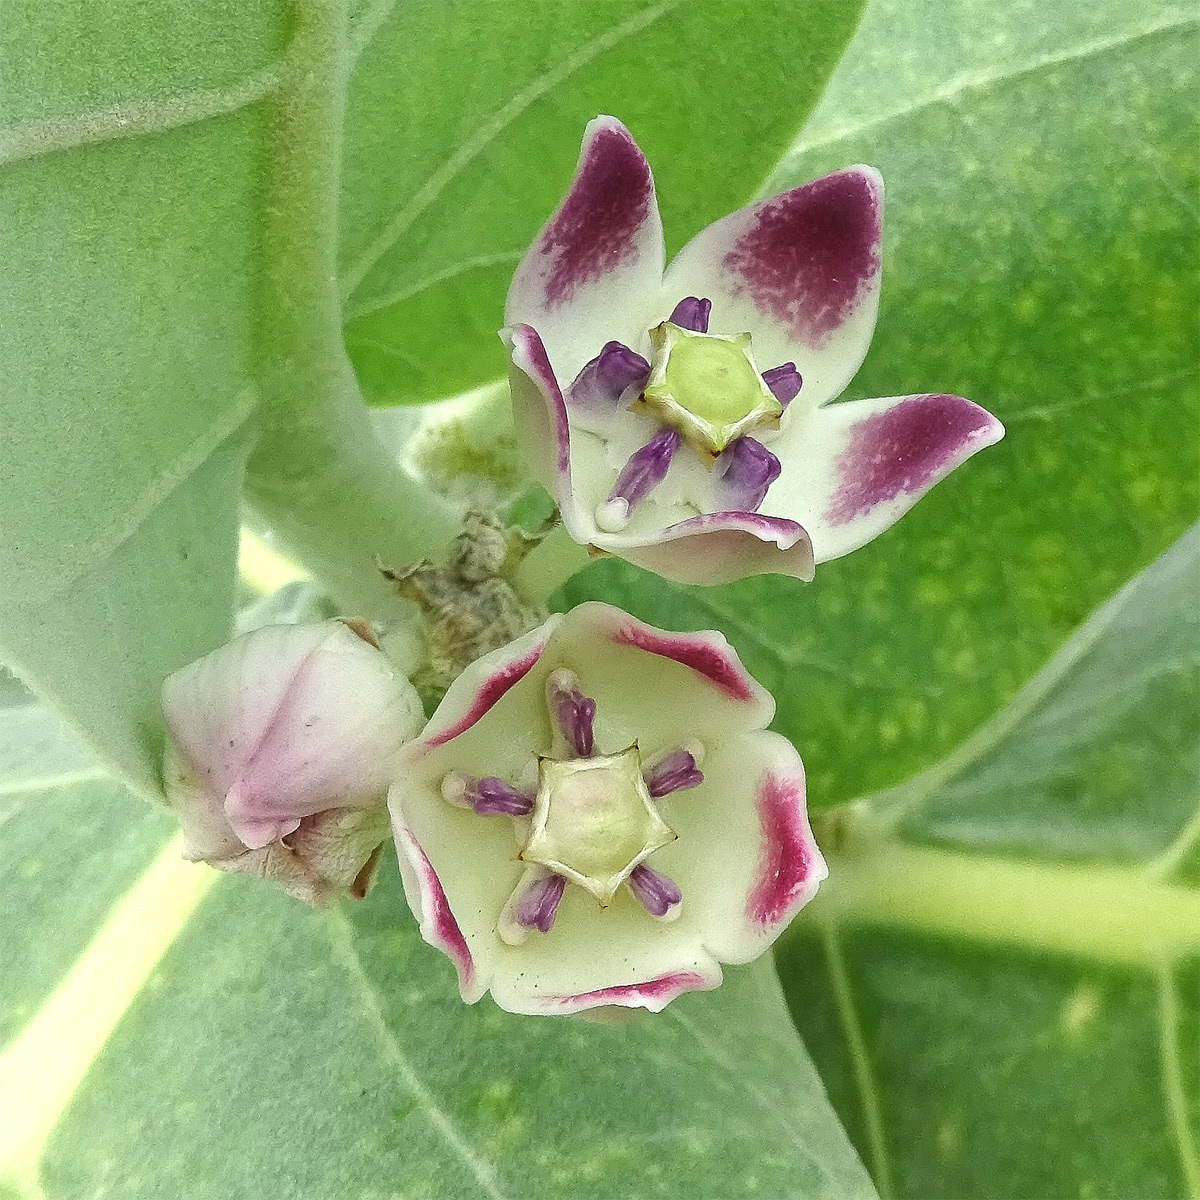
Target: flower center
[594, 820]
[708, 387]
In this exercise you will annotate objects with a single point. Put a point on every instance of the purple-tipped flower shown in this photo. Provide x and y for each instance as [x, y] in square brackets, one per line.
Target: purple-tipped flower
[281, 748]
[634, 873]
[757, 323]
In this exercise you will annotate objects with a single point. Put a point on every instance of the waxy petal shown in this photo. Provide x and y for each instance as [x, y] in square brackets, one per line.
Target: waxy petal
[286, 722]
[745, 865]
[710, 548]
[799, 272]
[460, 870]
[597, 263]
[853, 469]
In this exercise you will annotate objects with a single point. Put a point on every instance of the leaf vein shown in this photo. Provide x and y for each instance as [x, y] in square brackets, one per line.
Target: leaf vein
[341, 939]
[488, 132]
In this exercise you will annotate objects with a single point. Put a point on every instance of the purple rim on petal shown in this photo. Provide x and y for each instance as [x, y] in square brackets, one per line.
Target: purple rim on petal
[747, 469]
[539, 903]
[784, 382]
[810, 255]
[601, 383]
[672, 773]
[692, 313]
[905, 449]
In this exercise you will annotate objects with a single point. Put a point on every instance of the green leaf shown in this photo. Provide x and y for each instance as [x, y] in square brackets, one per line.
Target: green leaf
[1039, 258]
[1002, 994]
[129, 175]
[445, 185]
[328, 1054]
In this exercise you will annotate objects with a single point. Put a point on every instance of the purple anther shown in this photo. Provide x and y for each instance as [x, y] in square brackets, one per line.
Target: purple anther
[657, 893]
[539, 903]
[692, 313]
[493, 797]
[672, 773]
[489, 797]
[746, 468]
[644, 470]
[784, 382]
[573, 712]
[602, 382]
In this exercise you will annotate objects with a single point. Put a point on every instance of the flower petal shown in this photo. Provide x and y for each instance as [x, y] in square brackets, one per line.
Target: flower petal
[593, 272]
[290, 720]
[718, 548]
[799, 272]
[851, 470]
[745, 860]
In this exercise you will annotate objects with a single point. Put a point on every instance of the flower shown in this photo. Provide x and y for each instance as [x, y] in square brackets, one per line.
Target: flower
[281, 748]
[597, 815]
[680, 419]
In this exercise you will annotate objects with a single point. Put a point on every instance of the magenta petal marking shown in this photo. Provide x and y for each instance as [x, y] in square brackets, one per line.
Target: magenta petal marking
[665, 987]
[692, 313]
[656, 893]
[574, 713]
[493, 797]
[717, 666]
[903, 450]
[810, 254]
[600, 384]
[786, 858]
[672, 773]
[537, 364]
[596, 228]
[539, 903]
[746, 469]
[645, 468]
[440, 920]
[784, 382]
[490, 690]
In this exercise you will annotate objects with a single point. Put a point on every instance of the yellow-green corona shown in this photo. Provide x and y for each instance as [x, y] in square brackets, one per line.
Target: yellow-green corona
[594, 820]
[708, 387]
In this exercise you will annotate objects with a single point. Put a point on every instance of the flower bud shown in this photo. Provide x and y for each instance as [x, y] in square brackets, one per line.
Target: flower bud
[282, 746]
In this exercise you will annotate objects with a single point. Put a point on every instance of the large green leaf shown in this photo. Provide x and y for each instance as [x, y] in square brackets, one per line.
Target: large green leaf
[129, 171]
[446, 181]
[1040, 258]
[279, 1051]
[1004, 998]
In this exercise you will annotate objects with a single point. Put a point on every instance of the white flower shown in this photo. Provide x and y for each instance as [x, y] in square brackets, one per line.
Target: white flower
[597, 815]
[282, 745]
[680, 418]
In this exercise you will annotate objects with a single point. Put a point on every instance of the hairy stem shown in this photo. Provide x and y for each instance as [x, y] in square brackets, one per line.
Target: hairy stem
[330, 491]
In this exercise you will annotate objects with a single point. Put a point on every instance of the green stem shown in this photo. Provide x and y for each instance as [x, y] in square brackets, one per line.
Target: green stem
[549, 565]
[319, 476]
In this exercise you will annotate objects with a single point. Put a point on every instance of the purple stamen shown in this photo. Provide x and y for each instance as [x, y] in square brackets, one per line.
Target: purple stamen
[657, 893]
[539, 903]
[489, 797]
[692, 313]
[746, 468]
[644, 470]
[573, 712]
[601, 383]
[784, 382]
[672, 773]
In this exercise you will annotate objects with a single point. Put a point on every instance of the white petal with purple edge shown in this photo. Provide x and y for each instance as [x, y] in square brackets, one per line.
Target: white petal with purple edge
[594, 270]
[745, 860]
[800, 272]
[851, 470]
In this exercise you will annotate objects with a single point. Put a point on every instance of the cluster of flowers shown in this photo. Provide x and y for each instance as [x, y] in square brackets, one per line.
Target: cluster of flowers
[596, 814]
